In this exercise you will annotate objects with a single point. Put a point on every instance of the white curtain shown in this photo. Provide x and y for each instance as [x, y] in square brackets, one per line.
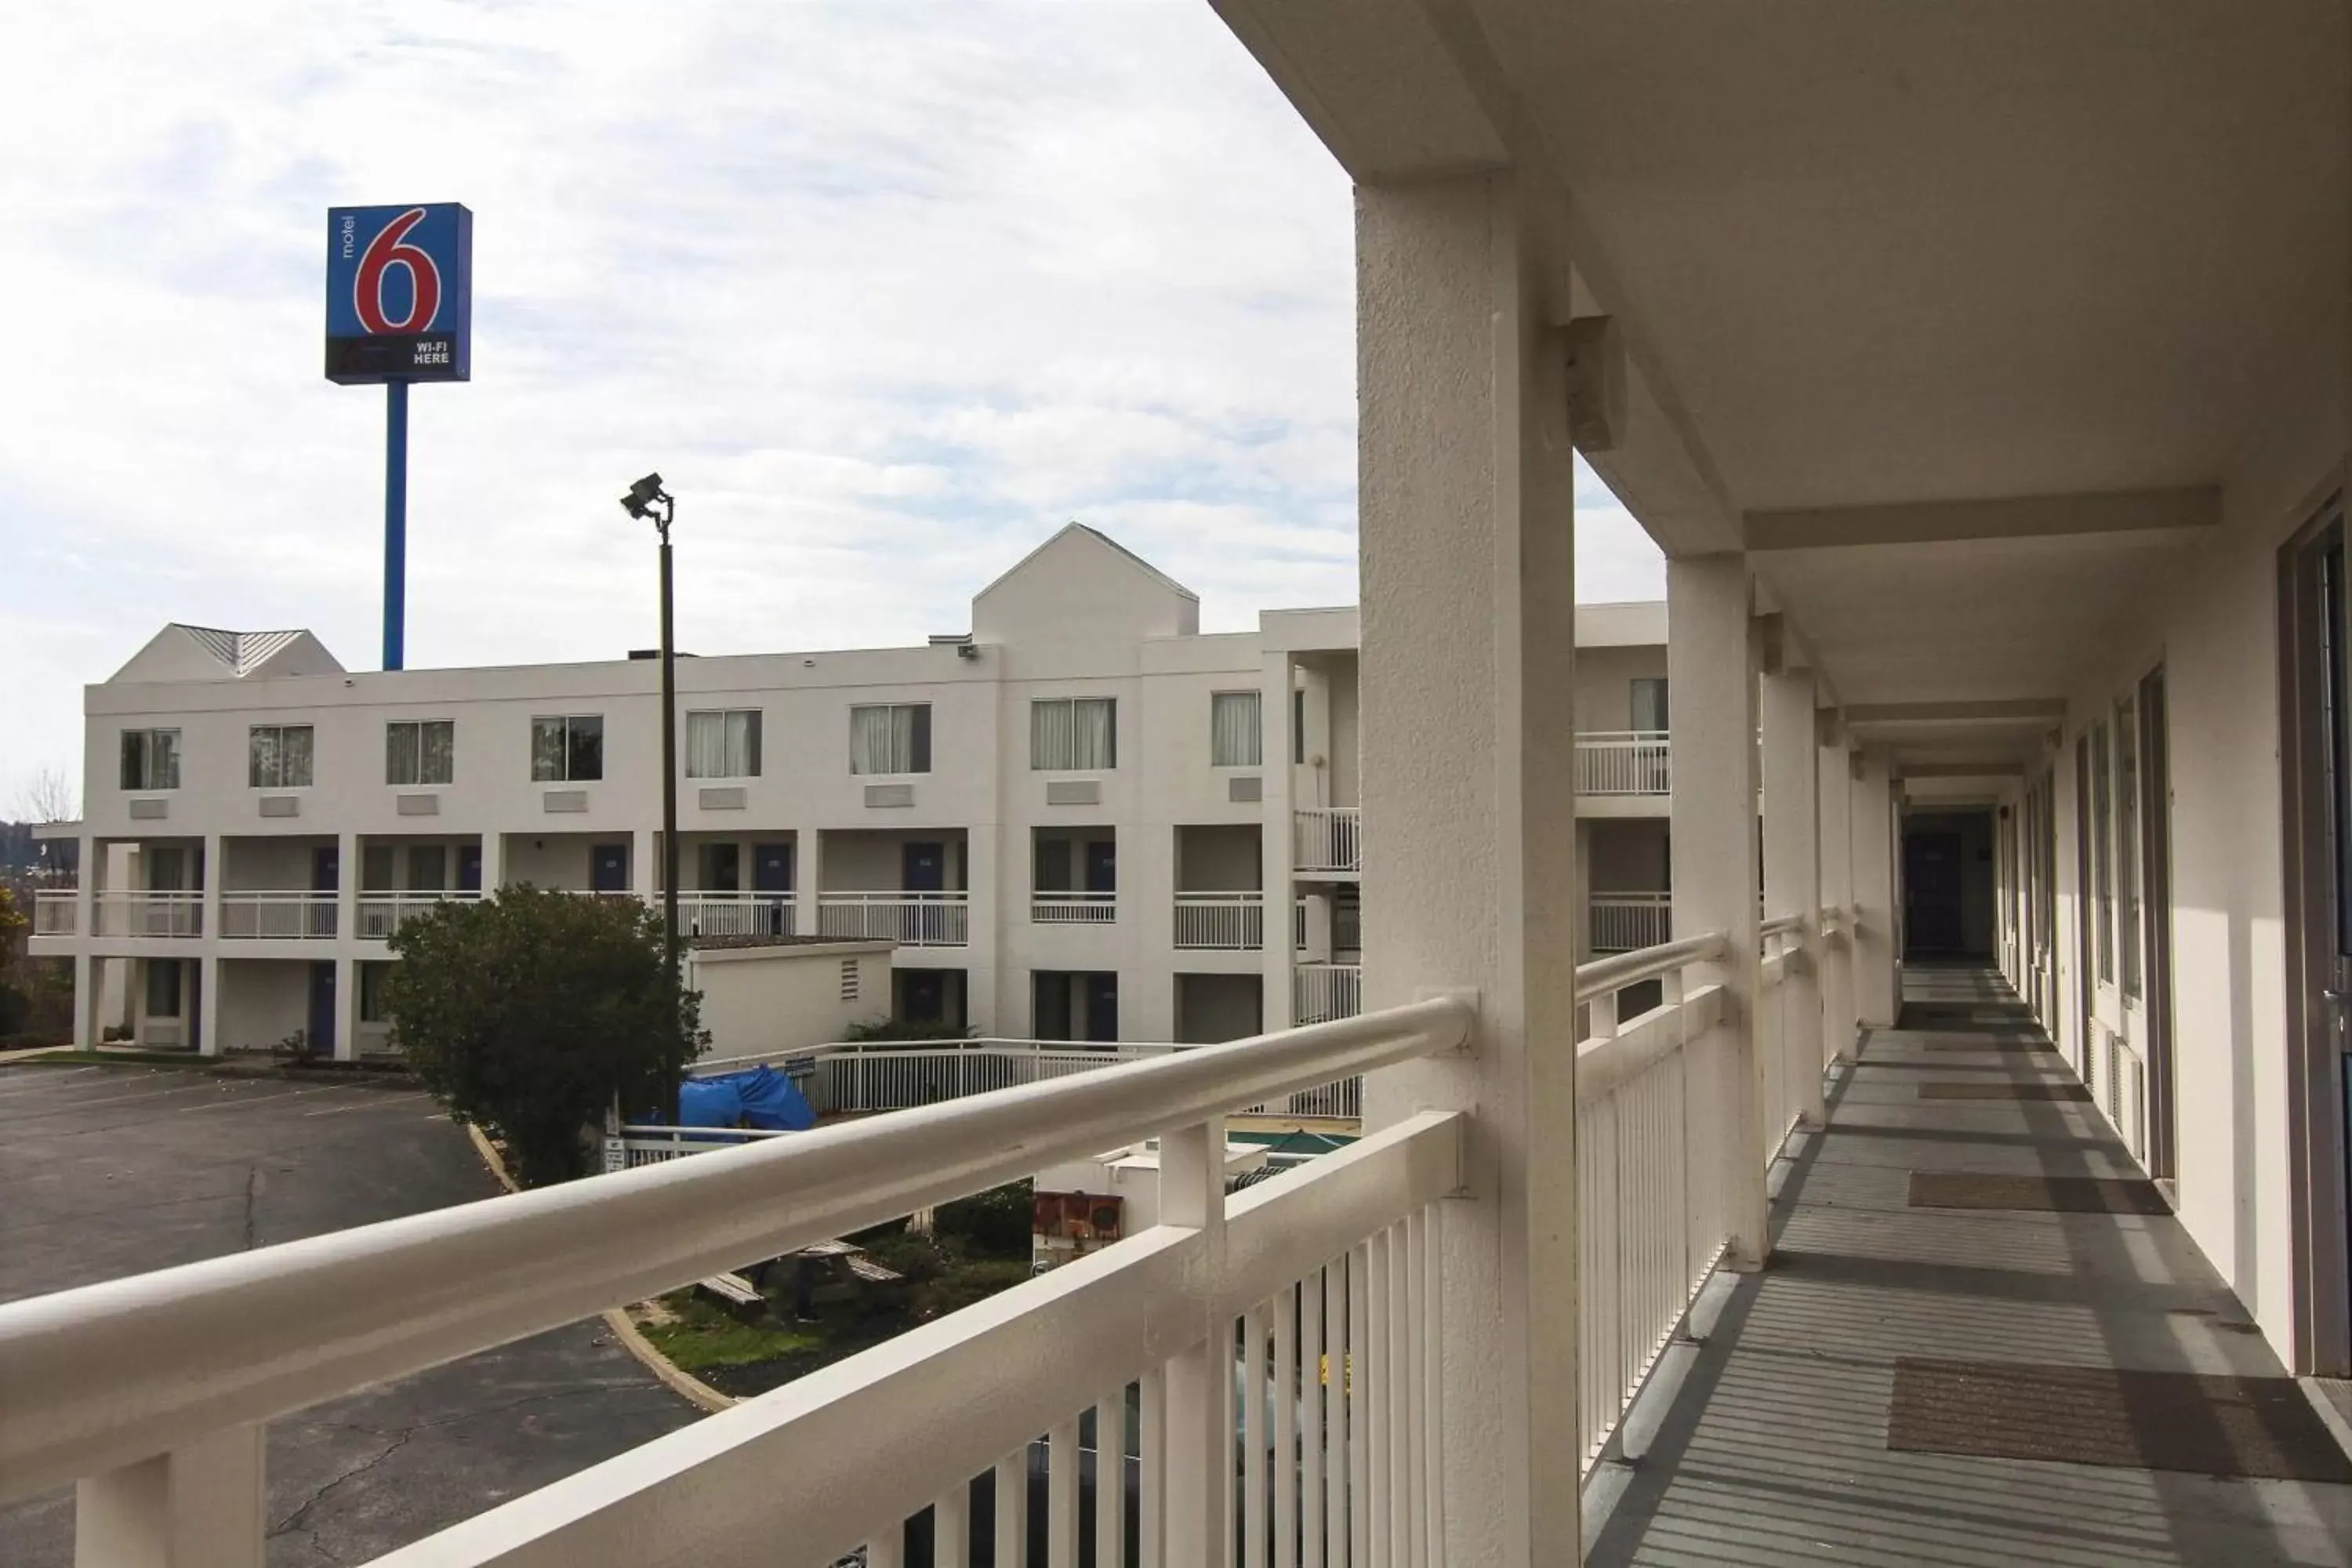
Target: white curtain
[400, 761]
[1074, 734]
[1236, 740]
[873, 739]
[723, 746]
[294, 770]
[547, 759]
[261, 768]
[438, 762]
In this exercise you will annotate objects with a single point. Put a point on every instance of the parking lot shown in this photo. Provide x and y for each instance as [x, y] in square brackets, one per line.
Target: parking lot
[112, 1171]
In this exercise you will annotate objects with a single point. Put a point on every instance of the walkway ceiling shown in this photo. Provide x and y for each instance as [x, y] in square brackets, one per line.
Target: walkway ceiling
[1872, 254]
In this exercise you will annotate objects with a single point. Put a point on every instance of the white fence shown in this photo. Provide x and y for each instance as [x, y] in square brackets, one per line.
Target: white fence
[1625, 922]
[139, 912]
[1624, 761]
[736, 914]
[1230, 921]
[1069, 907]
[1327, 838]
[1331, 1268]
[283, 916]
[378, 915]
[909, 918]
[889, 1075]
[56, 912]
[1324, 990]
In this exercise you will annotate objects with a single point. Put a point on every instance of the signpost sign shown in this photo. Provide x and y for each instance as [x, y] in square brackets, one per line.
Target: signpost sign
[400, 309]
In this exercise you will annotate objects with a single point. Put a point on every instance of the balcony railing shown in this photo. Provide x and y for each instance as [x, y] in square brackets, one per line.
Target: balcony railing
[1328, 840]
[151, 912]
[1070, 907]
[909, 919]
[1622, 922]
[1321, 992]
[278, 915]
[380, 914]
[1624, 761]
[1329, 1265]
[1228, 922]
[888, 1076]
[56, 912]
[736, 914]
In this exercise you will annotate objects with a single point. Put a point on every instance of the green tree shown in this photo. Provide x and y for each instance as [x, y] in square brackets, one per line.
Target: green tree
[15, 1003]
[528, 1012]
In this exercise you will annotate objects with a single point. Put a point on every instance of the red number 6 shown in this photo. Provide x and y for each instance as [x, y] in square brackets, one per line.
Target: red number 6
[386, 250]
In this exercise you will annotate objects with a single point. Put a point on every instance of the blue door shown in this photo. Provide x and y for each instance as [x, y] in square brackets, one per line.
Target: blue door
[608, 868]
[772, 873]
[926, 868]
[323, 1007]
[469, 867]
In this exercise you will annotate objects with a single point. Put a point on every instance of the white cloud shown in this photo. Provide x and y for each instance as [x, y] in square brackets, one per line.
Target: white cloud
[888, 290]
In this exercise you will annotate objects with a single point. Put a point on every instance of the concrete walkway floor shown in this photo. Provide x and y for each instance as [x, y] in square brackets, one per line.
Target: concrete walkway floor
[1777, 1450]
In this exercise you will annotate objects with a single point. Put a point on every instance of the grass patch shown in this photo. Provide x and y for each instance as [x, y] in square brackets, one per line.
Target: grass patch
[701, 1335]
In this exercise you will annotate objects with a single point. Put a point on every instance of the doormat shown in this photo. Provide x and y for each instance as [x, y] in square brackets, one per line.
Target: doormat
[2049, 1195]
[2206, 1425]
[2071, 1091]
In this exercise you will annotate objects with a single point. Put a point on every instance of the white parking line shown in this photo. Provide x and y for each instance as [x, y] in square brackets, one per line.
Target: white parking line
[13, 1078]
[374, 1099]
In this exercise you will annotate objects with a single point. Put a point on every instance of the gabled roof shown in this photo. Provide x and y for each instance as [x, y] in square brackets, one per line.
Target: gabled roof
[182, 652]
[1099, 537]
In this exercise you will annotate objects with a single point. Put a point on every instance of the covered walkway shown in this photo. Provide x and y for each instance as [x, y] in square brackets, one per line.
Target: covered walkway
[1972, 1341]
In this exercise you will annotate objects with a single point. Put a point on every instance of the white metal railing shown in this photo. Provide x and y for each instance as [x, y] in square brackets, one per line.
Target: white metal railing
[1334, 1264]
[888, 1076]
[378, 915]
[1072, 907]
[1623, 922]
[909, 919]
[1324, 991]
[290, 915]
[150, 912]
[650, 1145]
[1787, 1043]
[1231, 921]
[56, 912]
[736, 913]
[1624, 761]
[1327, 838]
[1658, 1098]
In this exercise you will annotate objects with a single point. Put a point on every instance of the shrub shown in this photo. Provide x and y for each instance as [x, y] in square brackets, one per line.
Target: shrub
[996, 1223]
[527, 1012]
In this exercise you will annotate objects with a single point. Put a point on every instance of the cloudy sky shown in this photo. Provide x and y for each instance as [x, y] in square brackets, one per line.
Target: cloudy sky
[888, 290]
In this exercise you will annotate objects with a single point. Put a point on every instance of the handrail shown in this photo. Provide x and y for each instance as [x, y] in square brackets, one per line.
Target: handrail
[1781, 925]
[112, 1374]
[1623, 969]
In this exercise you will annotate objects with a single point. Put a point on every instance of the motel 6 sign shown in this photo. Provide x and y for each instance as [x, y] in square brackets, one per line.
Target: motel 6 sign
[400, 293]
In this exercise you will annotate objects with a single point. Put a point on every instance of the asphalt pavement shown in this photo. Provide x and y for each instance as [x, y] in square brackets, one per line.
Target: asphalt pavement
[108, 1171]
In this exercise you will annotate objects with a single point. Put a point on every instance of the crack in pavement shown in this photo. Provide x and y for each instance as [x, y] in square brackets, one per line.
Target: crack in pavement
[294, 1520]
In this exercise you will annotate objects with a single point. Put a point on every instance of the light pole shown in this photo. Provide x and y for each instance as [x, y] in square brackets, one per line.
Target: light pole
[644, 497]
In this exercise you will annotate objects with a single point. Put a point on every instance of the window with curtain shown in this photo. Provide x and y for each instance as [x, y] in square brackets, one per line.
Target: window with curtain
[1650, 704]
[151, 759]
[1236, 740]
[723, 746]
[279, 756]
[373, 976]
[1073, 735]
[420, 752]
[567, 750]
[890, 738]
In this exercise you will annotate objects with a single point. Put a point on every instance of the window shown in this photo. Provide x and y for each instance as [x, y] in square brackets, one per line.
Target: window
[1298, 727]
[1074, 734]
[421, 751]
[151, 759]
[890, 738]
[279, 756]
[724, 745]
[163, 987]
[2102, 910]
[428, 868]
[1650, 705]
[373, 975]
[1236, 740]
[568, 750]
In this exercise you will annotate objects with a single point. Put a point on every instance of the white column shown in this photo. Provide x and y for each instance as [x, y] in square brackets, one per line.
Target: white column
[494, 862]
[1876, 987]
[215, 874]
[1792, 875]
[1279, 797]
[209, 972]
[984, 876]
[88, 874]
[1583, 889]
[86, 1002]
[1711, 667]
[809, 886]
[1836, 785]
[347, 888]
[1468, 746]
[645, 864]
[197, 1507]
[1199, 1391]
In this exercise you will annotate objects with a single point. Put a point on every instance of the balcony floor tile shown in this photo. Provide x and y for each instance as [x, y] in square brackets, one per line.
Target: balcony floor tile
[1776, 1452]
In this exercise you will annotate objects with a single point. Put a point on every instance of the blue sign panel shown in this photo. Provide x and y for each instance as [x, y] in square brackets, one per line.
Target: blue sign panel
[400, 293]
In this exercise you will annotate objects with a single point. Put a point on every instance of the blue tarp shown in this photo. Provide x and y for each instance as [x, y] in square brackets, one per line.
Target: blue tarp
[762, 1099]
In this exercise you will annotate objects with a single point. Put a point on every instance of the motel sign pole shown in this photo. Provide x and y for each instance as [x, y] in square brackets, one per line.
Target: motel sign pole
[400, 306]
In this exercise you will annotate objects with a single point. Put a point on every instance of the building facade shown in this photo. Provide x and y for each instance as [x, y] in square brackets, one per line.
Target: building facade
[1068, 819]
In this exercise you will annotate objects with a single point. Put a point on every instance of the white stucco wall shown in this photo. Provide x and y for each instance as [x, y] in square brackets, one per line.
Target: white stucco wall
[787, 998]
